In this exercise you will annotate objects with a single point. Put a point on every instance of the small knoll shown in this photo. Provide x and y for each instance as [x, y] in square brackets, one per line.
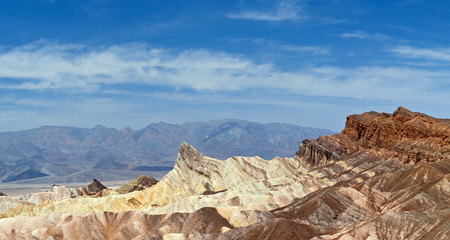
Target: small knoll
[91, 189]
[58, 193]
[140, 183]
[2, 194]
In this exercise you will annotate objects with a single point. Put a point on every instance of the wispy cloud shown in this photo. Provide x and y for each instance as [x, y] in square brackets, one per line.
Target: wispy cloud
[285, 10]
[331, 20]
[75, 68]
[441, 54]
[363, 35]
[358, 34]
[311, 49]
[276, 45]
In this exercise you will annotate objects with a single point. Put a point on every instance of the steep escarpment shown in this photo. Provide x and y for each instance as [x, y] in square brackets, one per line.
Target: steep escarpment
[320, 151]
[358, 184]
[404, 135]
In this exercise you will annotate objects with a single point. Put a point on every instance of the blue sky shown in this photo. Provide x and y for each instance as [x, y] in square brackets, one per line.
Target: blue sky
[131, 63]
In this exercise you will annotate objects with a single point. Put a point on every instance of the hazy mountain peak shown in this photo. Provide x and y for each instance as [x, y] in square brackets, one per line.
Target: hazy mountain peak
[100, 127]
[109, 150]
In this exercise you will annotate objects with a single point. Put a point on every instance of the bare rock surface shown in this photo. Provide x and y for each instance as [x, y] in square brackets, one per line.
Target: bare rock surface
[404, 135]
[7, 203]
[138, 184]
[386, 176]
[57, 193]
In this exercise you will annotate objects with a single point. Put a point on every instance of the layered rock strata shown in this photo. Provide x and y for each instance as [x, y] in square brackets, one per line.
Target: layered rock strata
[352, 185]
[407, 136]
[198, 181]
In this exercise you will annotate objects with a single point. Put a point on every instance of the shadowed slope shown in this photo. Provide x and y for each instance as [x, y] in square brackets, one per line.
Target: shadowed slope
[337, 187]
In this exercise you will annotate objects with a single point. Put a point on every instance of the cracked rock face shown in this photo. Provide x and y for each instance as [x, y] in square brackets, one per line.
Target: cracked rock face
[408, 136]
[386, 176]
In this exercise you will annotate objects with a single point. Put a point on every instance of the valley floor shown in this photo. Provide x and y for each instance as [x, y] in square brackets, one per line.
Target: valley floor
[14, 190]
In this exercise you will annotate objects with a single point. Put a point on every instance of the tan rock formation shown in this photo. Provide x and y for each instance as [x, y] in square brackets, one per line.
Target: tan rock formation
[138, 184]
[58, 193]
[7, 203]
[364, 183]
[198, 181]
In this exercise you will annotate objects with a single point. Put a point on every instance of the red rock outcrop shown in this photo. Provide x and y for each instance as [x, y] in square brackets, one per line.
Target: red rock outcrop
[404, 135]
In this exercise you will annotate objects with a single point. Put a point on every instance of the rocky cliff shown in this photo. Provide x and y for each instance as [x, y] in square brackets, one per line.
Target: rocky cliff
[404, 135]
[352, 185]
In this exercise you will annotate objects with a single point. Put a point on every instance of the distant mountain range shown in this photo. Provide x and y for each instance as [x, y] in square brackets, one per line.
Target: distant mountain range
[385, 176]
[70, 154]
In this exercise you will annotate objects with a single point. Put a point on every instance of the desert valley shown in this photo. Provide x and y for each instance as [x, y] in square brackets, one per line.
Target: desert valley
[236, 119]
[385, 176]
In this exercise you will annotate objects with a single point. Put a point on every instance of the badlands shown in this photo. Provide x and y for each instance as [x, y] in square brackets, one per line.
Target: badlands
[385, 176]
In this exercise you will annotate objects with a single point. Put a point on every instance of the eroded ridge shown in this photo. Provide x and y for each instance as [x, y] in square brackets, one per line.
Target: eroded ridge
[386, 176]
[407, 136]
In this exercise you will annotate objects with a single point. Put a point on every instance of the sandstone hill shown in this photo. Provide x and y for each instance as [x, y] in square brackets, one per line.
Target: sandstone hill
[386, 176]
[57, 193]
[138, 184]
[68, 154]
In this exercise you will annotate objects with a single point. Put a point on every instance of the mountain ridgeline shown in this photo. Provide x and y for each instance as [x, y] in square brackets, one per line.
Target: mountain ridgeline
[385, 176]
[67, 154]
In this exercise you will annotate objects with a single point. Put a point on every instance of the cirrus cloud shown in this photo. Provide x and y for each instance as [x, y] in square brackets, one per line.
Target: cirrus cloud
[441, 54]
[285, 10]
[47, 66]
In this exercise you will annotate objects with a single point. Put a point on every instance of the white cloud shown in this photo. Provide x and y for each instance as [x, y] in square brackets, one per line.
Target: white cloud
[363, 35]
[75, 68]
[358, 34]
[285, 10]
[276, 45]
[311, 49]
[441, 54]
